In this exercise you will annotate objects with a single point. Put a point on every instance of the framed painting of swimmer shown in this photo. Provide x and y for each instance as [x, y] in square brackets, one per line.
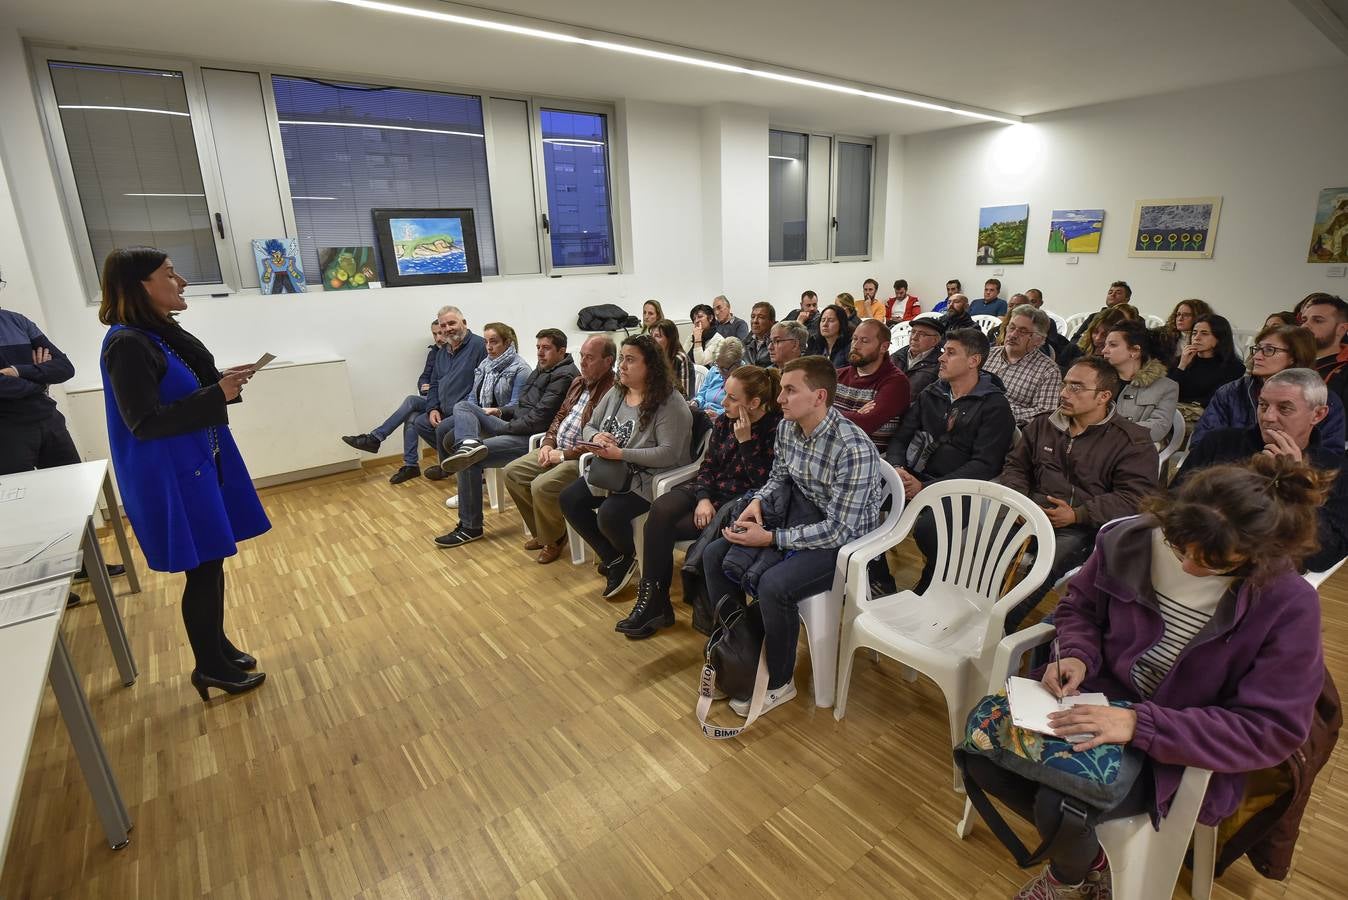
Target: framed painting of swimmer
[427, 246]
[1178, 228]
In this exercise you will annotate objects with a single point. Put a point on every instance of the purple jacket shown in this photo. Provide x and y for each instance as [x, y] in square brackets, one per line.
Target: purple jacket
[1240, 696]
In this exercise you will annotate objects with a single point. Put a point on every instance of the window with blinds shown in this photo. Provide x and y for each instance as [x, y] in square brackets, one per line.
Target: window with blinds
[351, 148]
[133, 157]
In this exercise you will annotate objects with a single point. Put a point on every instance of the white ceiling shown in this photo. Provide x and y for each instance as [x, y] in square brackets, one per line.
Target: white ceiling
[1018, 56]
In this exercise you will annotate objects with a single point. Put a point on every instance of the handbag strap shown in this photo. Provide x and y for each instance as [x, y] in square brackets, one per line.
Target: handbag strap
[704, 690]
[1073, 821]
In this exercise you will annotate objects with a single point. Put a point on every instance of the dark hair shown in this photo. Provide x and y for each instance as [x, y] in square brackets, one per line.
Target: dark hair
[900, 283]
[1137, 334]
[763, 304]
[955, 282]
[1107, 319]
[871, 281]
[844, 322]
[702, 308]
[804, 294]
[996, 281]
[1298, 340]
[1221, 330]
[1106, 379]
[819, 373]
[659, 376]
[760, 383]
[556, 335]
[973, 340]
[1312, 297]
[1340, 308]
[125, 300]
[1196, 306]
[1287, 316]
[881, 329]
[1261, 512]
[671, 333]
[1127, 291]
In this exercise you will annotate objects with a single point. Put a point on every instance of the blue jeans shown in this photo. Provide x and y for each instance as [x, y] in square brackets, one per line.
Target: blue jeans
[419, 426]
[802, 574]
[501, 449]
[409, 408]
[470, 422]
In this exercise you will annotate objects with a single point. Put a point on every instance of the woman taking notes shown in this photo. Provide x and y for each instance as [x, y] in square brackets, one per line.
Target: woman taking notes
[182, 480]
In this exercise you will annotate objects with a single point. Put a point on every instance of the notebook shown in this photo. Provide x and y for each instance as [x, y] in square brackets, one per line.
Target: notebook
[1031, 704]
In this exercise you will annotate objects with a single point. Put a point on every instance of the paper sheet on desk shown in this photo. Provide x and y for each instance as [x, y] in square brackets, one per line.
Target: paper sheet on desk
[32, 603]
[1031, 704]
[39, 570]
[18, 554]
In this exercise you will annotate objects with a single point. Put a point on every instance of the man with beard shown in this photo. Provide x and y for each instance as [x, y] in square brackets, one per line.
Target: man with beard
[872, 392]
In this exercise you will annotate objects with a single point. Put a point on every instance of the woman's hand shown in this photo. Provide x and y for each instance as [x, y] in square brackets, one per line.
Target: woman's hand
[1064, 676]
[233, 382]
[1187, 356]
[697, 333]
[703, 513]
[744, 429]
[609, 451]
[1105, 724]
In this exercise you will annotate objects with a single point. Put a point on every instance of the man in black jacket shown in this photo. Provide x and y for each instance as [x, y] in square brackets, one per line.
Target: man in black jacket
[961, 426]
[957, 313]
[507, 431]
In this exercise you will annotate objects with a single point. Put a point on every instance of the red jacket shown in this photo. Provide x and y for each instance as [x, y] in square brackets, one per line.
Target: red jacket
[912, 307]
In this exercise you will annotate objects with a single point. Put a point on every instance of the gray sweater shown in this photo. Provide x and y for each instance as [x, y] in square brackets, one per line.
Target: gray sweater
[664, 442]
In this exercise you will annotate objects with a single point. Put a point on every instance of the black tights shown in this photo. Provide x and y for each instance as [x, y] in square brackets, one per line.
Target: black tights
[204, 618]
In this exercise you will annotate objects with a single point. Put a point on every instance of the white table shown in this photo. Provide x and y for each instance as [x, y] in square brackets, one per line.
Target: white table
[64, 500]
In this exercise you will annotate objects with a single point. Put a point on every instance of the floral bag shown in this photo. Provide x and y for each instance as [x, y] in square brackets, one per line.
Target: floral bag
[1091, 781]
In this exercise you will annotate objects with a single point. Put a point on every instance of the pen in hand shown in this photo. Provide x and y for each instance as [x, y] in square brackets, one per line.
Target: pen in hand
[1057, 674]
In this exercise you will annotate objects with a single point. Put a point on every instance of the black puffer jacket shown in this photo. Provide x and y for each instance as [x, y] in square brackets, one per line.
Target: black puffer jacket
[941, 438]
[540, 398]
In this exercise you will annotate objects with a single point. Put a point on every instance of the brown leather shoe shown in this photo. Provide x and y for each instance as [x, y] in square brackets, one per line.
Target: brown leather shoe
[533, 544]
[550, 552]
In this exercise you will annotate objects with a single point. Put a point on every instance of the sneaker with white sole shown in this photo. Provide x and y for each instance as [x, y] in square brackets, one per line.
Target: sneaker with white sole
[452, 502]
[466, 454]
[783, 694]
[618, 574]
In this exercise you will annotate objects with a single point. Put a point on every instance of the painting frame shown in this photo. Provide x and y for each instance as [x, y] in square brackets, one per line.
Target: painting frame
[392, 249]
[1329, 233]
[349, 268]
[280, 268]
[1006, 226]
[1140, 234]
[1075, 230]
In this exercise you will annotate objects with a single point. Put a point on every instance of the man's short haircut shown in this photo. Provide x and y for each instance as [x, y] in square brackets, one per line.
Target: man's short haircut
[1308, 381]
[721, 297]
[973, 340]
[1127, 291]
[793, 330]
[804, 294]
[818, 371]
[1017, 299]
[882, 331]
[871, 281]
[556, 335]
[1340, 307]
[763, 304]
[1106, 379]
[1038, 318]
[996, 281]
[1038, 293]
[730, 353]
[607, 348]
[900, 283]
[955, 282]
[447, 309]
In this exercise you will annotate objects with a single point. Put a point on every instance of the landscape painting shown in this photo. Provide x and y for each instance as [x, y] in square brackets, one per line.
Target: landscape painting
[1329, 237]
[427, 246]
[1075, 230]
[347, 268]
[1001, 234]
[1180, 228]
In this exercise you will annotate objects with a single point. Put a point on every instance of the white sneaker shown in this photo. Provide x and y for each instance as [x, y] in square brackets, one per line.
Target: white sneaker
[774, 698]
[452, 502]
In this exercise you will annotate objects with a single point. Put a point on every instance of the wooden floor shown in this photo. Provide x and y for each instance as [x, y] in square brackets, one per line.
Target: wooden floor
[466, 723]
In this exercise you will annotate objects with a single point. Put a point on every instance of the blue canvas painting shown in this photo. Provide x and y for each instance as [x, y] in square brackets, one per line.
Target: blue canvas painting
[1075, 230]
[428, 246]
[279, 270]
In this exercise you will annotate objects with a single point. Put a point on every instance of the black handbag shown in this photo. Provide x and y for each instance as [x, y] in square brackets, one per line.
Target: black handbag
[612, 475]
[736, 661]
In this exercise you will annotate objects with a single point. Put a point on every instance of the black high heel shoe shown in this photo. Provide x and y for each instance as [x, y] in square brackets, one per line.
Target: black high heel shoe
[245, 661]
[202, 682]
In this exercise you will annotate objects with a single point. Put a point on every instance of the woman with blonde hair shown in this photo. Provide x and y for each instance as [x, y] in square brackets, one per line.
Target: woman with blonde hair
[651, 313]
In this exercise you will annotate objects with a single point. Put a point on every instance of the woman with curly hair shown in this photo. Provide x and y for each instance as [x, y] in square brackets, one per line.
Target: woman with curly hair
[643, 424]
[1194, 615]
[1172, 337]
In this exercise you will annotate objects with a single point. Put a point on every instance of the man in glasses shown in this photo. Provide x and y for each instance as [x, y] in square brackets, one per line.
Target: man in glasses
[788, 340]
[1084, 464]
[921, 356]
[1031, 378]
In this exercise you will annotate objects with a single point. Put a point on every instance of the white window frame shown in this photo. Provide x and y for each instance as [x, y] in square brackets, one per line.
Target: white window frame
[834, 140]
[42, 56]
[536, 106]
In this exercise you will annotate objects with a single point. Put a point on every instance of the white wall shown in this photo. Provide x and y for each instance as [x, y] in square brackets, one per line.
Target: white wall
[1267, 147]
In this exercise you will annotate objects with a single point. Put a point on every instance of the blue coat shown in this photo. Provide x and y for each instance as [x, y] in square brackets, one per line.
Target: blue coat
[188, 503]
[1233, 406]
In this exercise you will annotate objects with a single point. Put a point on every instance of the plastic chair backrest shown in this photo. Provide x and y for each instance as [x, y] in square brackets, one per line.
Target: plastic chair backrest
[1059, 321]
[892, 522]
[1178, 430]
[1318, 578]
[987, 323]
[1073, 322]
[1153, 321]
[699, 376]
[899, 335]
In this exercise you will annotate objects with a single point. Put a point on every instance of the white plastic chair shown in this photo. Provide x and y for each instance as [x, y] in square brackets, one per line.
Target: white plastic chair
[899, 335]
[1059, 322]
[1073, 322]
[1179, 430]
[572, 539]
[1153, 321]
[699, 376]
[987, 323]
[1318, 578]
[951, 632]
[1144, 864]
[822, 614]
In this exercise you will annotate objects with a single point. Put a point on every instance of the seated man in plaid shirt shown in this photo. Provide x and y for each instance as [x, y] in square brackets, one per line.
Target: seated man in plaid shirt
[1031, 378]
[831, 463]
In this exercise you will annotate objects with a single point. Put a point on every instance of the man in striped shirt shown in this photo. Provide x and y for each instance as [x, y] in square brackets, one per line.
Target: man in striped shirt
[832, 464]
[872, 392]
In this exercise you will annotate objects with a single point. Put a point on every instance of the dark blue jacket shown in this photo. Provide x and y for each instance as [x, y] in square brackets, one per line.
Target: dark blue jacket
[452, 374]
[426, 373]
[1233, 406]
[24, 400]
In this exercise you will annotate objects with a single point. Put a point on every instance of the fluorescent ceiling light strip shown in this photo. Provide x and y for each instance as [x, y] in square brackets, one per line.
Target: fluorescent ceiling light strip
[297, 197]
[163, 195]
[385, 127]
[667, 56]
[787, 158]
[161, 112]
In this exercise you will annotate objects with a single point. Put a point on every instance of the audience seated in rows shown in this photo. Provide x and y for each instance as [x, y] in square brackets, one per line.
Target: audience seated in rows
[1177, 332]
[762, 317]
[709, 397]
[872, 393]
[957, 313]
[727, 323]
[644, 424]
[1148, 397]
[808, 314]
[790, 340]
[991, 303]
[535, 481]
[1208, 360]
[739, 457]
[918, 359]
[834, 340]
[824, 491]
[507, 430]
[903, 306]
[1031, 379]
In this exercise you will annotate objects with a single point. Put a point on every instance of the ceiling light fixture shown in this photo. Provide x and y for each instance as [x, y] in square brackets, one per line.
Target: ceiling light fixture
[163, 195]
[377, 125]
[141, 109]
[666, 56]
[296, 197]
[787, 158]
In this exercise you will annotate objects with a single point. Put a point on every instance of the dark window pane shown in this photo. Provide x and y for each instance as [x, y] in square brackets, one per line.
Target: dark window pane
[575, 158]
[788, 165]
[854, 199]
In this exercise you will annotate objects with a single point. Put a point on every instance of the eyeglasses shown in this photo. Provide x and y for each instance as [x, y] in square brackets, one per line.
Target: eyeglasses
[1076, 387]
[1268, 350]
[1021, 331]
[783, 341]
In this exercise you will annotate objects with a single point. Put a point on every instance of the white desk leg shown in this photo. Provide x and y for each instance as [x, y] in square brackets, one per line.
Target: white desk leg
[107, 604]
[119, 532]
[98, 774]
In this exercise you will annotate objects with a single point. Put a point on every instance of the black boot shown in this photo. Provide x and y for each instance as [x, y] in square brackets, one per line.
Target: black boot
[651, 613]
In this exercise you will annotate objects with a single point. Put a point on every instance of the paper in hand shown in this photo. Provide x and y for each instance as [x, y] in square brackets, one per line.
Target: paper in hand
[1031, 704]
[262, 361]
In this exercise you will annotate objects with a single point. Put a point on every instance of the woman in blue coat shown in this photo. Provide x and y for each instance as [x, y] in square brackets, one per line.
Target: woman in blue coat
[183, 482]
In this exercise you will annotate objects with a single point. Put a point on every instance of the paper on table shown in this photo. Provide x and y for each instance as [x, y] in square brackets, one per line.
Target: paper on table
[1031, 704]
[33, 603]
[39, 570]
[18, 554]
